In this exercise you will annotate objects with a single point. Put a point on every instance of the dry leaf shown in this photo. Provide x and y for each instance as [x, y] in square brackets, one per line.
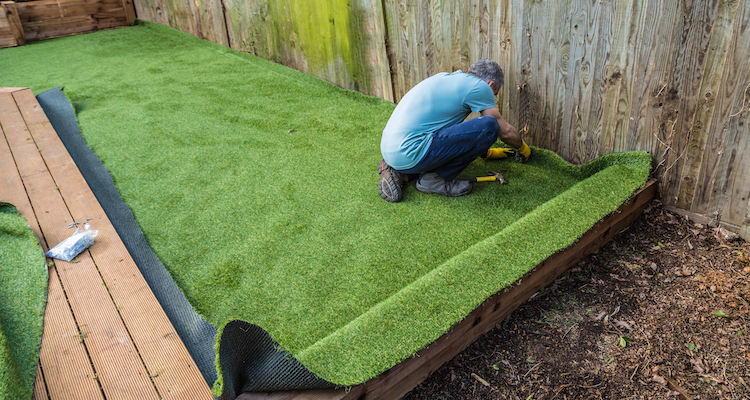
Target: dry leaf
[658, 379]
[698, 366]
[624, 325]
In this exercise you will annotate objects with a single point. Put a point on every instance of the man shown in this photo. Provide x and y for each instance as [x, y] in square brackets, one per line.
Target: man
[427, 135]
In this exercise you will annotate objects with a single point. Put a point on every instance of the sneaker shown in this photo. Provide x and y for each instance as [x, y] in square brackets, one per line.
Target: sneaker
[433, 183]
[391, 185]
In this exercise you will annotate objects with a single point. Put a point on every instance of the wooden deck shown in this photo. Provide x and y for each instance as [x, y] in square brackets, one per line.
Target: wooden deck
[105, 334]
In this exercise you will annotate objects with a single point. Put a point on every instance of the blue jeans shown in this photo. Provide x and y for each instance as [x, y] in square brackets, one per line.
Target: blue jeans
[455, 147]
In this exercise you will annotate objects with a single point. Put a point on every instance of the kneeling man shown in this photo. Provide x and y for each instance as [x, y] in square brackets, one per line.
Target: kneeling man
[427, 135]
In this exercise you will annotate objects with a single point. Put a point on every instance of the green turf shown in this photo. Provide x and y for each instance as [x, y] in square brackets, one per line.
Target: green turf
[23, 295]
[256, 186]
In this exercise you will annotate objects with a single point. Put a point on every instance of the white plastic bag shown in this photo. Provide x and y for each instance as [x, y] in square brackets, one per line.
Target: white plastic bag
[74, 245]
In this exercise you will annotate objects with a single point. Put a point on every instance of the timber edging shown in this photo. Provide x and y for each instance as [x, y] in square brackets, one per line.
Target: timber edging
[47, 19]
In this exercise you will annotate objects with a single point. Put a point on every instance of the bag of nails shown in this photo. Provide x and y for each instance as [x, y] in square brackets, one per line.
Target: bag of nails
[81, 240]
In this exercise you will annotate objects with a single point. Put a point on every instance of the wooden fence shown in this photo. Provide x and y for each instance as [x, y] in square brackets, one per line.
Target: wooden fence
[588, 77]
[583, 77]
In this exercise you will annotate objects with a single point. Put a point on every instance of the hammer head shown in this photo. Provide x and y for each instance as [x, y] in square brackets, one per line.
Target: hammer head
[497, 176]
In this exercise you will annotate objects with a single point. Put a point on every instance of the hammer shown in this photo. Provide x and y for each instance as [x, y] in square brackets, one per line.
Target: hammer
[491, 177]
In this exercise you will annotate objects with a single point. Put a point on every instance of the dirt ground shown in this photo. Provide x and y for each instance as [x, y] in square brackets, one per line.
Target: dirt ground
[660, 312]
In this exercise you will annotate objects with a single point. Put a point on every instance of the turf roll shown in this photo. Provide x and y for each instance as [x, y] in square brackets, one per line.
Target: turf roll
[23, 297]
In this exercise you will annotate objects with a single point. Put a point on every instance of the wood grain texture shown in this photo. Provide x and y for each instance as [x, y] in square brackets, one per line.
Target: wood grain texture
[11, 30]
[619, 77]
[40, 389]
[340, 41]
[540, 19]
[117, 366]
[729, 118]
[690, 48]
[651, 68]
[63, 355]
[716, 55]
[45, 19]
[212, 21]
[6, 36]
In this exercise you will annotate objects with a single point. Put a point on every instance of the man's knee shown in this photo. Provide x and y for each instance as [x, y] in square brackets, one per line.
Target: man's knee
[489, 127]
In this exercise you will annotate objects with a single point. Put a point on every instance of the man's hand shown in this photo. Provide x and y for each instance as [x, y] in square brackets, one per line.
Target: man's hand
[498, 152]
[523, 154]
[509, 135]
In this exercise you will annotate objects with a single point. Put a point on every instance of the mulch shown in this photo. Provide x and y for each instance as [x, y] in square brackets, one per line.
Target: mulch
[660, 312]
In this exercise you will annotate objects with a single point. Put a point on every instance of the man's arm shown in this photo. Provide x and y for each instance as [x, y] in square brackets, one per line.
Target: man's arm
[508, 133]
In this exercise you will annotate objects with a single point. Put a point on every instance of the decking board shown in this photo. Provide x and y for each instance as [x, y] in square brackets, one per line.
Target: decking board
[63, 356]
[129, 349]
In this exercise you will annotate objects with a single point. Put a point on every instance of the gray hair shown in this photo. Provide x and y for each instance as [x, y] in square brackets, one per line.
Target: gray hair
[488, 70]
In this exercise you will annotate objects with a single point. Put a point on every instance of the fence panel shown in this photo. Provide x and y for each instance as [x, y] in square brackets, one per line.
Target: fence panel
[582, 77]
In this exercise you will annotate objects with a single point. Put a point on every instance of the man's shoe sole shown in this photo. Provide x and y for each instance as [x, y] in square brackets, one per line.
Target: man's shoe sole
[391, 183]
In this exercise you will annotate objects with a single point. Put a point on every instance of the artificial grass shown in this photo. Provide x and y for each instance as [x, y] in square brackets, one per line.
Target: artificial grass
[256, 186]
[23, 296]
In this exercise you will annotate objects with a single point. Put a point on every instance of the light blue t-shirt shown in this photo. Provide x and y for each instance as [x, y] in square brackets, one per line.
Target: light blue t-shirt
[440, 101]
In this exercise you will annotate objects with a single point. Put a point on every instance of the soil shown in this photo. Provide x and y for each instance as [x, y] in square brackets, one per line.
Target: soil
[660, 312]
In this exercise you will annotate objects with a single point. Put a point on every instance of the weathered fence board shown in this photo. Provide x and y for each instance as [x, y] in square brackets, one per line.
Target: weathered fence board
[715, 61]
[650, 46]
[728, 130]
[685, 81]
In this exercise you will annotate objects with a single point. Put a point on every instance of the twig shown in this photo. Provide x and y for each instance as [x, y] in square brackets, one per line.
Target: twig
[560, 389]
[634, 372]
[531, 369]
[744, 96]
[478, 378]
[675, 161]
[674, 386]
[668, 148]
[569, 329]
[662, 89]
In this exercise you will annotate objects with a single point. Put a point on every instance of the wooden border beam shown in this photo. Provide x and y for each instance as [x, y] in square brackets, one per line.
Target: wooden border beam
[129, 10]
